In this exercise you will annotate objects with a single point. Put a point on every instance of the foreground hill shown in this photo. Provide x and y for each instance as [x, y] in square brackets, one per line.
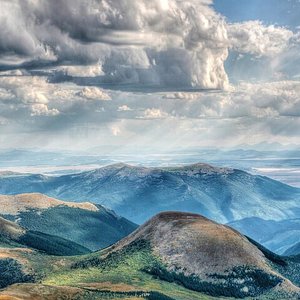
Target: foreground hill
[138, 193]
[176, 252]
[174, 256]
[87, 224]
[278, 236]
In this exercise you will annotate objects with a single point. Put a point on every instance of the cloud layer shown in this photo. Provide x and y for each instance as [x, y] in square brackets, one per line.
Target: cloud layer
[159, 42]
[34, 106]
[86, 69]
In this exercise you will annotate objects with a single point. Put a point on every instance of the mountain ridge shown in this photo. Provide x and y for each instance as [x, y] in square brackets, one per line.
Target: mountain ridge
[138, 193]
[11, 233]
[90, 225]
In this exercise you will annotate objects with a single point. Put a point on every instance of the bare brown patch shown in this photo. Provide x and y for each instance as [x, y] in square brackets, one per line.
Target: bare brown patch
[14, 204]
[40, 292]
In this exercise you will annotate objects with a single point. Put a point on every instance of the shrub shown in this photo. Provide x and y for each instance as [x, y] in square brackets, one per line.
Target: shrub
[11, 272]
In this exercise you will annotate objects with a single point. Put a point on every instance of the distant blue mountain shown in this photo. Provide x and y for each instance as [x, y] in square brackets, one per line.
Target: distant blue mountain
[277, 236]
[293, 251]
[137, 193]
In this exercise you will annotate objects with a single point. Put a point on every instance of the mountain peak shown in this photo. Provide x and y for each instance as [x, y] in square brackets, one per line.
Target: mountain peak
[199, 251]
[196, 243]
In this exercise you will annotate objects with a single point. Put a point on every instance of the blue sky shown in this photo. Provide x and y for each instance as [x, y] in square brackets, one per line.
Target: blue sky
[161, 74]
[281, 12]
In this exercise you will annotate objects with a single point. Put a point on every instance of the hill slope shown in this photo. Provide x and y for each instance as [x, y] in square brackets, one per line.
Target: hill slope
[12, 235]
[188, 251]
[174, 256]
[138, 193]
[26, 255]
[87, 224]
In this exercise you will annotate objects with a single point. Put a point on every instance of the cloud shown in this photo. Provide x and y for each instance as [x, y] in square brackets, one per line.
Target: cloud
[153, 113]
[82, 71]
[28, 93]
[115, 130]
[160, 42]
[35, 96]
[262, 53]
[43, 110]
[181, 95]
[124, 108]
[32, 105]
[94, 93]
[61, 61]
[247, 100]
[253, 37]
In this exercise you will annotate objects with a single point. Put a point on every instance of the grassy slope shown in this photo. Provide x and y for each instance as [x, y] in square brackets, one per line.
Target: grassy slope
[125, 272]
[111, 277]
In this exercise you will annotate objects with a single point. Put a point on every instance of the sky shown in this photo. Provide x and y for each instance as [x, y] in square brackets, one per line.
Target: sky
[160, 74]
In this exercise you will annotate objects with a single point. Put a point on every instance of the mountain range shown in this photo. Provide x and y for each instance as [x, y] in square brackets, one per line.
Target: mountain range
[261, 208]
[137, 193]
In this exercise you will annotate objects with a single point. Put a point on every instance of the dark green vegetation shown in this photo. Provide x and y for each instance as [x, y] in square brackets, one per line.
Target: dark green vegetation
[51, 245]
[291, 269]
[11, 271]
[231, 284]
[12, 235]
[125, 270]
[273, 257]
[91, 229]
[42, 292]
[135, 294]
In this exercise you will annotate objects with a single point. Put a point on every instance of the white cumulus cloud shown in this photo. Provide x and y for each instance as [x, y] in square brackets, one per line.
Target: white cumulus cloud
[153, 113]
[253, 37]
[94, 93]
[43, 110]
